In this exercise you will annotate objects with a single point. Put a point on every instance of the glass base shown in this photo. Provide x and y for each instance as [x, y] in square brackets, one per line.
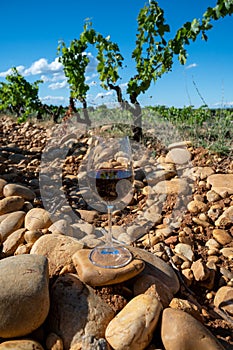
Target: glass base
[110, 257]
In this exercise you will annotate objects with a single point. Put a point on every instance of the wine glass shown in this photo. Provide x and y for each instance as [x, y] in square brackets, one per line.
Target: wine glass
[110, 179]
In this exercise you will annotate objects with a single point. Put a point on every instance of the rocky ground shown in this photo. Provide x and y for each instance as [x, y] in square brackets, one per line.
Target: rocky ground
[178, 226]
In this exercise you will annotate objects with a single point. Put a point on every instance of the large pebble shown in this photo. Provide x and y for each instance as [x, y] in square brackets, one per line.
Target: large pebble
[13, 241]
[222, 236]
[185, 250]
[21, 344]
[18, 190]
[181, 331]
[37, 218]
[24, 294]
[158, 268]
[12, 222]
[2, 184]
[224, 299]
[77, 311]
[226, 218]
[133, 327]
[10, 204]
[174, 186]
[221, 183]
[98, 276]
[178, 156]
[58, 249]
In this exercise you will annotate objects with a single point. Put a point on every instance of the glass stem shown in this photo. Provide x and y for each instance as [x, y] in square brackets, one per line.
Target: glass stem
[109, 231]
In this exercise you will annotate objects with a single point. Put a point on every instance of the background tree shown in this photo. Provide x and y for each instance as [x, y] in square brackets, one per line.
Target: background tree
[19, 96]
[153, 54]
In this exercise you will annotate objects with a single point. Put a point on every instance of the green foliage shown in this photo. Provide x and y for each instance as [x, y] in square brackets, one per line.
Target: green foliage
[19, 96]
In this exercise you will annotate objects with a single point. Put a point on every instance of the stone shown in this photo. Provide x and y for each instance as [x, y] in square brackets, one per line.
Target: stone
[54, 342]
[88, 215]
[133, 232]
[12, 222]
[2, 184]
[158, 268]
[134, 325]
[224, 299]
[61, 227]
[98, 276]
[187, 306]
[212, 196]
[200, 271]
[196, 207]
[179, 330]
[58, 249]
[13, 241]
[18, 190]
[178, 156]
[159, 175]
[214, 212]
[77, 311]
[222, 236]
[23, 286]
[185, 251]
[226, 218]
[202, 172]
[80, 230]
[32, 236]
[10, 204]
[174, 186]
[227, 252]
[221, 184]
[91, 343]
[146, 283]
[21, 344]
[37, 218]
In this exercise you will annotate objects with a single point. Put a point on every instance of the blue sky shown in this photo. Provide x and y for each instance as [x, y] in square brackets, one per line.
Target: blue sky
[30, 33]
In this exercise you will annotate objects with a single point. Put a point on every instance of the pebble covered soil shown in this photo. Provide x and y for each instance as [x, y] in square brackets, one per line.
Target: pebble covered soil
[176, 294]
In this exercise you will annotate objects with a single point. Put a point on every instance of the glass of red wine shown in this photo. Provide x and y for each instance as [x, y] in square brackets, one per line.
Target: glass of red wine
[110, 178]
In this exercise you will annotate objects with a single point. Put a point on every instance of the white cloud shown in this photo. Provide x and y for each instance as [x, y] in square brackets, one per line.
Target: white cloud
[103, 94]
[57, 85]
[20, 70]
[190, 66]
[54, 100]
[224, 104]
[42, 66]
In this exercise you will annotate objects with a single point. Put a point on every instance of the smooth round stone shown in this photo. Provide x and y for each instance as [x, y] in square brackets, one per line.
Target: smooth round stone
[37, 218]
[2, 184]
[158, 268]
[134, 325]
[99, 276]
[178, 156]
[24, 294]
[224, 299]
[18, 190]
[222, 236]
[58, 249]
[221, 183]
[182, 331]
[13, 241]
[22, 344]
[173, 186]
[12, 222]
[77, 311]
[226, 218]
[10, 204]
[150, 284]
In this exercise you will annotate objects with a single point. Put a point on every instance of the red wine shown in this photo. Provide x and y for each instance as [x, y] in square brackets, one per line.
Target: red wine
[111, 184]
